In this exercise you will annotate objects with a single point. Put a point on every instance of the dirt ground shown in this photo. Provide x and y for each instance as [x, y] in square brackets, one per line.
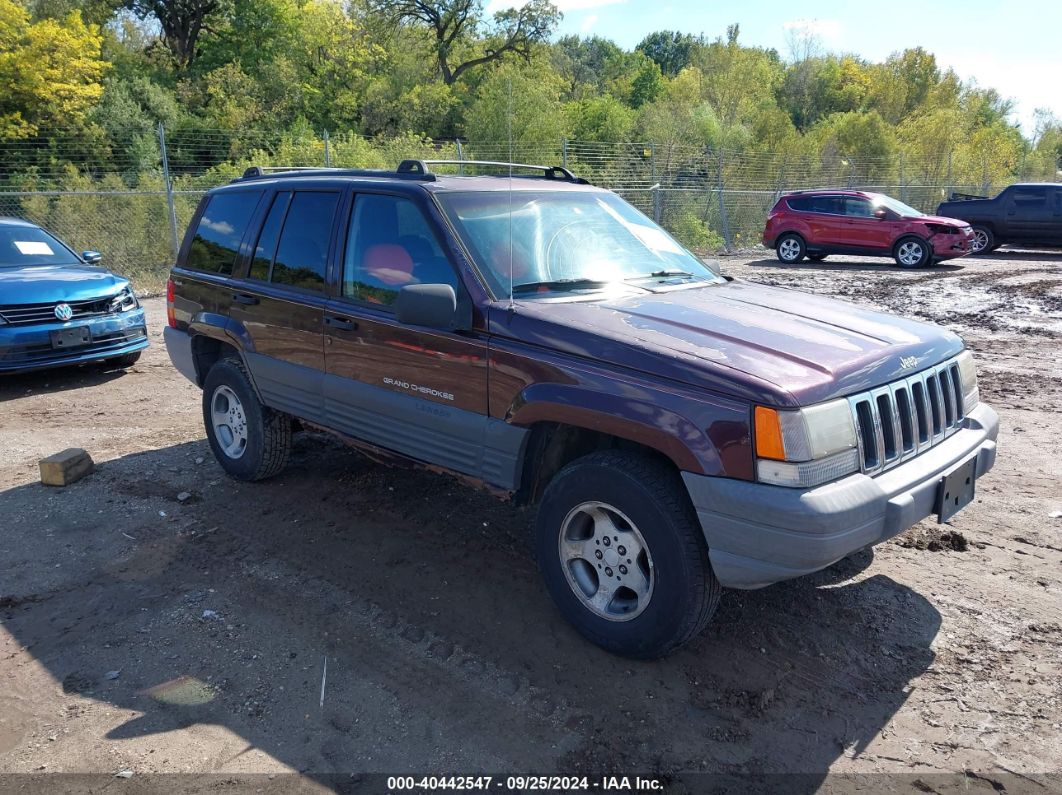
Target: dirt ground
[148, 632]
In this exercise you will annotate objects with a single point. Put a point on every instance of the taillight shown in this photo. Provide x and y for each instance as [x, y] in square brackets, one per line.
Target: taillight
[171, 318]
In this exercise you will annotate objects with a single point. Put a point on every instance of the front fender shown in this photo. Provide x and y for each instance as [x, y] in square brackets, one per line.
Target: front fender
[702, 435]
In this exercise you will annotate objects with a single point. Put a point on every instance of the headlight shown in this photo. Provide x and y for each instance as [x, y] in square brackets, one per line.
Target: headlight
[125, 301]
[971, 395]
[806, 447]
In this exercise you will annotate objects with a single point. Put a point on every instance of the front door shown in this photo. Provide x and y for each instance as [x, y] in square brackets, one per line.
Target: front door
[279, 304]
[862, 229]
[416, 391]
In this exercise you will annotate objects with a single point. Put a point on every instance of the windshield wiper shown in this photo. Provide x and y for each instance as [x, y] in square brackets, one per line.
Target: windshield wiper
[662, 275]
[559, 285]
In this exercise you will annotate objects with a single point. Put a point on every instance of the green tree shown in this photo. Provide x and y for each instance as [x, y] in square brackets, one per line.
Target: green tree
[464, 38]
[50, 71]
[670, 49]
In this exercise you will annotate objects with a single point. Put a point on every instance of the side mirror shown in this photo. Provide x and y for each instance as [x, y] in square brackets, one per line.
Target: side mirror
[432, 305]
[881, 213]
[92, 257]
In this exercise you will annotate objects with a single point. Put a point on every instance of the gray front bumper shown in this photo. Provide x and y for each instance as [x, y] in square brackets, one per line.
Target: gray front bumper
[759, 534]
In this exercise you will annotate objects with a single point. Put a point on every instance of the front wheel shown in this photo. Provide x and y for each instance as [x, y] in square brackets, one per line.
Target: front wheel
[912, 252]
[250, 441]
[623, 555]
[817, 257]
[790, 249]
[983, 240]
[125, 360]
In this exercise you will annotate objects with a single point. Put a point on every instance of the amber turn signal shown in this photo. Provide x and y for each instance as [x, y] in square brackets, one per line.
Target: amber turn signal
[768, 430]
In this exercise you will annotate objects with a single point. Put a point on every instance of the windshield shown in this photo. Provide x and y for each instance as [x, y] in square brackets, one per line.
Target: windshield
[897, 206]
[567, 240]
[29, 245]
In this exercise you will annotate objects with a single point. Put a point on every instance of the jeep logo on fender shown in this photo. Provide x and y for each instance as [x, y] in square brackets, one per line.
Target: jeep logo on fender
[63, 312]
[907, 362]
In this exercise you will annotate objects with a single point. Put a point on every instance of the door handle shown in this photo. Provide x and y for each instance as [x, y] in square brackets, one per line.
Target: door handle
[340, 322]
[245, 299]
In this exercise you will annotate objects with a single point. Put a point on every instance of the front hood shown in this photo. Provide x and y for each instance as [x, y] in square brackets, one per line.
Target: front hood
[43, 284]
[766, 344]
[941, 219]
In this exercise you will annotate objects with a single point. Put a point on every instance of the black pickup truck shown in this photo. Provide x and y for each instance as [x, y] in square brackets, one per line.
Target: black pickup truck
[1028, 214]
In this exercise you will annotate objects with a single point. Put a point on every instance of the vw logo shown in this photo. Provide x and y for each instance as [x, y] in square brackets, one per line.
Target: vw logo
[63, 312]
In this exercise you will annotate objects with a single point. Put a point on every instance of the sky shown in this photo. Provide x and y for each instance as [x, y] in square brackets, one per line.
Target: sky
[1013, 47]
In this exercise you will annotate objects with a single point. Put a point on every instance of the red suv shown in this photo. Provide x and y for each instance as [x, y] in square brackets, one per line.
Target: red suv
[814, 224]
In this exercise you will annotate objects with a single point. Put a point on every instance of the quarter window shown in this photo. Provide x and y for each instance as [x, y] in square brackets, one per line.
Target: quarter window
[302, 252]
[391, 244]
[221, 228]
[267, 239]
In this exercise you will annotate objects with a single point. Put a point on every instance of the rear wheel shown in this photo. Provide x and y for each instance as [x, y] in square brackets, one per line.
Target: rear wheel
[984, 241]
[250, 441]
[623, 555]
[912, 252]
[790, 248]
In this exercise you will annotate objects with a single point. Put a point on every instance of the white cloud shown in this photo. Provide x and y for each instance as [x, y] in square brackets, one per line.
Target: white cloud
[828, 30]
[588, 23]
[564, 5]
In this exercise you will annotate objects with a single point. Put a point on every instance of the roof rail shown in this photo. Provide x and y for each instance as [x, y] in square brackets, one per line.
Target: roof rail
[273, 172]
[421, 167]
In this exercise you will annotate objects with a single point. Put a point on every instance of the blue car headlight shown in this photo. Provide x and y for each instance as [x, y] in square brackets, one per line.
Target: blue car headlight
[125, 301]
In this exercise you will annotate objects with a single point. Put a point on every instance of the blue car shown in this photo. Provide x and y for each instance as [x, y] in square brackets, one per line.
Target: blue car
[58, 308]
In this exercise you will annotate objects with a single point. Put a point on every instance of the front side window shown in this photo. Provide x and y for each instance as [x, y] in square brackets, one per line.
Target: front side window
[31, 245]
[391, 244]
[221, 228]
[302, 251]
[544, 240]
[858, 208]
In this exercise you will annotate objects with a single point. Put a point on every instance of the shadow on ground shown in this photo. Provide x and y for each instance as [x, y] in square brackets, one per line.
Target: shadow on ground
[443, 651]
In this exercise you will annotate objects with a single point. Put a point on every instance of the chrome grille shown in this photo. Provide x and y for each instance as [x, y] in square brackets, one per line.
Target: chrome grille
[898, 421]
[24, 314]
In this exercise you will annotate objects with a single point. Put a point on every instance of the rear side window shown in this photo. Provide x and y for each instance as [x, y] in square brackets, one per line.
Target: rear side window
[817, 204]
[1030, 198]
[221, 228]
[302, 253]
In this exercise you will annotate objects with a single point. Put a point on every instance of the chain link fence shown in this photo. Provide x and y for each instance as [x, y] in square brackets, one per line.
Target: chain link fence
[131, 194]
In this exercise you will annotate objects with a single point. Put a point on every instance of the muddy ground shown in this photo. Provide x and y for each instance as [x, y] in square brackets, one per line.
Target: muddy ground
[144, 633]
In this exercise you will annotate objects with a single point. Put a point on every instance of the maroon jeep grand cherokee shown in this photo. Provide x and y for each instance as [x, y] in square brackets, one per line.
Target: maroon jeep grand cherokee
[679, 431]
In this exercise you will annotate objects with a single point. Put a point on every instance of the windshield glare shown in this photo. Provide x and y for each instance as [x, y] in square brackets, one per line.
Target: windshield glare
[562, 236]
[29, 245]
[897, 206]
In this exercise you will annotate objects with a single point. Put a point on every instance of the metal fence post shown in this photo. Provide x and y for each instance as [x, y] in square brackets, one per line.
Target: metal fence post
[460, 156]
[656, 191]
[174, 243]
[564, 153]
[724, 221]
[903, 187]
[328, 150]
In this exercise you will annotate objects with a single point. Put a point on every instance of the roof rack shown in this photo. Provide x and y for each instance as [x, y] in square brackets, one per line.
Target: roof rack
[272, 172]
[421, 167]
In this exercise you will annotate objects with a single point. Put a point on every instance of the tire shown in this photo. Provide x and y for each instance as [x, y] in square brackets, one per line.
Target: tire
[258, 442]
[912, 252]
[127, 360]
[787, 252]
[984, 240]
[642, 503]
[817, 257]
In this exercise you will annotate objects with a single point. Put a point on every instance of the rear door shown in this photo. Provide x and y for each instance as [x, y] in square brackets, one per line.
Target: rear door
[824, 216]
[416, 391]
[862, 229]
[1030, 216]
[278, 305]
